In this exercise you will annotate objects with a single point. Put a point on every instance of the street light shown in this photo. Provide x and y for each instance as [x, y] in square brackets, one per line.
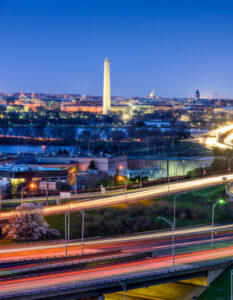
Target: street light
[67, 228]
[32, 186]
[173, 243]
[120, 177]
[204, 170]
[66, 233]
[82, 213]
[229, 164]
[231, 285]
[123, 285]
[221, 202]
[174, 207]
[183, 165]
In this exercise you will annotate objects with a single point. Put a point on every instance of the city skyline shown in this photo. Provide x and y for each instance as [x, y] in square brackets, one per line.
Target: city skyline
[173, 48]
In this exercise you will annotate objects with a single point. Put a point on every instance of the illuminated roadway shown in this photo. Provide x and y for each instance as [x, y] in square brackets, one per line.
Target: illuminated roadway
[213, 138]
[184, 237]
[152, 192]
[62, 279]
[157, 191]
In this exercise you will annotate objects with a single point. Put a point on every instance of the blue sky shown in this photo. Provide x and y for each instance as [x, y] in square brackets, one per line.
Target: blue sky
[174, 47]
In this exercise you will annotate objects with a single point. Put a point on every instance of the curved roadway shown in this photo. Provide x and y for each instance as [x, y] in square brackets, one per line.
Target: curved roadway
[157, 191]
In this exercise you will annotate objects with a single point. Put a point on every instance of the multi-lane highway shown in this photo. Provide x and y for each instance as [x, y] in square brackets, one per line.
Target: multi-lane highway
[145, 193]
[44, 275]
[155, 240]
[85, 275]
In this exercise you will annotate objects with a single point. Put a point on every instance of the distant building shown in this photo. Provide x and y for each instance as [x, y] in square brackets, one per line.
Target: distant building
[197, 95]
[152, 94]
[20, 173]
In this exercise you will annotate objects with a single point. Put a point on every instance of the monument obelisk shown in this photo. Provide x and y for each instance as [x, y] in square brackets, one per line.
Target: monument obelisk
[106, 94]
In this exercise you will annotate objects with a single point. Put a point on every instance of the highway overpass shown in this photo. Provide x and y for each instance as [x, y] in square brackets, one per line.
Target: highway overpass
[146, 279]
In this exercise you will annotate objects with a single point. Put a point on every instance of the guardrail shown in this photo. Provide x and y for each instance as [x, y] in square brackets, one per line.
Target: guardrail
[10, 263]
[50, 269]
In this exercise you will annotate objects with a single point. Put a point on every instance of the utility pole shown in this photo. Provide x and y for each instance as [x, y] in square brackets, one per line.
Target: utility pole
[66, 233]
[47, 193]
[168, 178]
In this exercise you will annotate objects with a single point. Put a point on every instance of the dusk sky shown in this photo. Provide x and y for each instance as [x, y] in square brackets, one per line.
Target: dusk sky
[174, 47]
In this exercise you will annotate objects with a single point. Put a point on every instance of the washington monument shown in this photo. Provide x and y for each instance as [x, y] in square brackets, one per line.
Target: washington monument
[106, 94]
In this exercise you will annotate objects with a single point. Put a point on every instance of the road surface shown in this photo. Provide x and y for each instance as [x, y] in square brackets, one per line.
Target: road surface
[62, 279]
[158, 191]
[184, 237]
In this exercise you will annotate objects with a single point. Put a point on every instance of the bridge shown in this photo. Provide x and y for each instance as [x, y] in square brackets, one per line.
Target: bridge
[145, 279]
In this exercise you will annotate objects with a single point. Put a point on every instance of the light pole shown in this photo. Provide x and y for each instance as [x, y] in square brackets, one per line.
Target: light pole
[82, 213]
[66, 233]
[120, 177]
[168, 177]
[221, 202]
[231, 285]
[123, 285]
[32, 186]
[183, 164]
[1, 196]
[204, 171]
[147, 149]
[174, 207]
[173, 240]
[229, 164]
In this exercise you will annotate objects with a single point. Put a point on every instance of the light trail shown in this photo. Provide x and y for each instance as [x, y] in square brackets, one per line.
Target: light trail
[63, 279]
[97, 245]
[212, 140]
[155, 192]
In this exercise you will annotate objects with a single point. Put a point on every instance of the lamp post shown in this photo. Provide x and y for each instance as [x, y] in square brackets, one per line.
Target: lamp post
[204, 170]
[173, 240]
[231, 285]
[120, 177]
[183, 165]
[221, 202]
[174, 207]
[66, 233]
[82, 213]
[177, 174]
[1, 196]
[229, 164]
[168, 177]
[123, 285]
[32, 186]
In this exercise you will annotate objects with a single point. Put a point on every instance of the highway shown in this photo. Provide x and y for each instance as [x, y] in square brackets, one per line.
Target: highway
[193, 235]
[141, 194]
[213, 138]
[62, 279]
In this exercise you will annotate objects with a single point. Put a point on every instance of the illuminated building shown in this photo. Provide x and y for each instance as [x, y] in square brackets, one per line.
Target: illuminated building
[106, 93]
[21, 173]
[70, 107]
[152, 94]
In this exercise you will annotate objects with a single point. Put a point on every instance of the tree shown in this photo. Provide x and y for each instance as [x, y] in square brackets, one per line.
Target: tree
[92, 165]
[28, 224]
[118, 135]
[4, 126]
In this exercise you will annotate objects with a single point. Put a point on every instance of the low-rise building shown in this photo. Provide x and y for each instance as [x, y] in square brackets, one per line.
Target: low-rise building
[20, 173]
